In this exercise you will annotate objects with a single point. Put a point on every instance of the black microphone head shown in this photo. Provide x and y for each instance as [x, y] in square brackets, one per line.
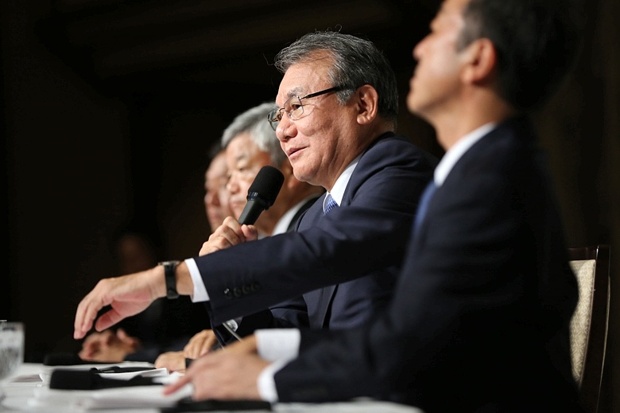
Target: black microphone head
[261, 194]
[266, 185]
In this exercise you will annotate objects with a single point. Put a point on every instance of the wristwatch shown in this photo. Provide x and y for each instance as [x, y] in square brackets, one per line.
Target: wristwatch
[171, 280]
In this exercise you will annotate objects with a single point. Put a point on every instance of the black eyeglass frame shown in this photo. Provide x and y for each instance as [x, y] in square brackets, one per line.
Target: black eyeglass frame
[275, 115]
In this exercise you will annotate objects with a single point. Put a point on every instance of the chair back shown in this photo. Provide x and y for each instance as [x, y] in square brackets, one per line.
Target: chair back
[589, 325]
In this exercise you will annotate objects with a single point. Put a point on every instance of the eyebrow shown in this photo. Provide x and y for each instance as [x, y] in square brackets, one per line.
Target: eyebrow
[295, 92]
[239, 158]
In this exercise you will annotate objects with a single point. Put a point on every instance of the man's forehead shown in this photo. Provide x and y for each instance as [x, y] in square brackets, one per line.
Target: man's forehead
[239, 143]
[301, 77]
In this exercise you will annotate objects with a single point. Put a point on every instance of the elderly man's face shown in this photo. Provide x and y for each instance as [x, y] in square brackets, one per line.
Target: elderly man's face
[216, 194]
[319, 143]
[244, 159]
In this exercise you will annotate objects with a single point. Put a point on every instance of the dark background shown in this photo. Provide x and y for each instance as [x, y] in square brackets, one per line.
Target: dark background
[109, 108]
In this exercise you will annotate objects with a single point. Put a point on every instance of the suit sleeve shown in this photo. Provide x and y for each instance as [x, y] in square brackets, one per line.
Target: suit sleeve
[472, 303]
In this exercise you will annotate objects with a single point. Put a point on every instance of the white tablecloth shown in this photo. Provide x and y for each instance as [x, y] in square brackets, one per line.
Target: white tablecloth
[27, 392]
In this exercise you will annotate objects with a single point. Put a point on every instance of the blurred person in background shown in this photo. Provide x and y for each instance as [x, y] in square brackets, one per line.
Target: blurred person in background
[216, 199]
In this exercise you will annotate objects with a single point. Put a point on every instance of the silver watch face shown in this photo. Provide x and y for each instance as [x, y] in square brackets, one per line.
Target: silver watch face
[169, 263]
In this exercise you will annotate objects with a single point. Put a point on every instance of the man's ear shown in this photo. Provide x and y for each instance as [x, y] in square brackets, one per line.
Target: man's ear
[481, 61]
[367, 100]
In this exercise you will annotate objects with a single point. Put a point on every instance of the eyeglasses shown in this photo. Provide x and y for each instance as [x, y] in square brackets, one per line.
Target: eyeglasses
[294, 108]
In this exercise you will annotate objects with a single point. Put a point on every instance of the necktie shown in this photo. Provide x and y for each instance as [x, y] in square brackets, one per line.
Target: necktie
[329, 204]
[424, 201]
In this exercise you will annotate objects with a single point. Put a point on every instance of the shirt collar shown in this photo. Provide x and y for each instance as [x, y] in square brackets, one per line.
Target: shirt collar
[341, 183]
[284, 221]
[451, 157]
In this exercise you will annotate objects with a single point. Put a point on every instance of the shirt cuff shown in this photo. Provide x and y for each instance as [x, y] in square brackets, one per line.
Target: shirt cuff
[200, 291]
[278, 343]
[266, 383]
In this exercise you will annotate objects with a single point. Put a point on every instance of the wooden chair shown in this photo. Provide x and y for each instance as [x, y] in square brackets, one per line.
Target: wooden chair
[589, 325]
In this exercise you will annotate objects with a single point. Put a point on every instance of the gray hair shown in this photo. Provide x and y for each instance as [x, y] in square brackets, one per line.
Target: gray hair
[356, 62]
[254, 121]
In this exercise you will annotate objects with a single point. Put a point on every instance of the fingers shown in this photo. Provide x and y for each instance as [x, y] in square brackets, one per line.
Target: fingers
[88, 351]
[107, 320]
[223, 375]
[94, 344]
[174, 387]
[198, 366]
[249, 232]
[91, 345]
[84, 354]
[225, 236]
[89, 307]
[200, 344]
[127, 295]
[86, 313]
[208, 343]
[122, 335]
[126, 339]
[171, 360]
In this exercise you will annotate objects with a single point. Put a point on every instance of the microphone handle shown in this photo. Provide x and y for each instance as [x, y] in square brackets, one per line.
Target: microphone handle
[252, 211]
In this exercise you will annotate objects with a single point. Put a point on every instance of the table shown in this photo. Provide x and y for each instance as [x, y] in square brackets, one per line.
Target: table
[21, 396]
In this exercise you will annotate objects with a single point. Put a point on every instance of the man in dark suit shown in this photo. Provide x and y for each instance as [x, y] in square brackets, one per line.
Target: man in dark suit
[336, 126]
[248, 144]
[480, 317]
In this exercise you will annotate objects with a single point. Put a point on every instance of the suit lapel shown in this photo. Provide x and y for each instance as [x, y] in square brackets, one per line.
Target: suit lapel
[300, 212]
[319, 304]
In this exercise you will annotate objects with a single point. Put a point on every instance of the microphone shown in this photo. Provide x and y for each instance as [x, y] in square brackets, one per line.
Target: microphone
[261, 194]
[65, 379]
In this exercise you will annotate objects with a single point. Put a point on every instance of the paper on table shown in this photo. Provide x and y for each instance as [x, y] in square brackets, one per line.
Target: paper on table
[114, 398]
[161, 372]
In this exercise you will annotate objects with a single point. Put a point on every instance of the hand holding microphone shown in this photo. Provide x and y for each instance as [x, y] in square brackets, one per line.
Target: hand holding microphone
[261, 195]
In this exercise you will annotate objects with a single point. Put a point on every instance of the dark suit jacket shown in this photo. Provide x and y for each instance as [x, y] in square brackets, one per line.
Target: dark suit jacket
[480, 317]
[289, 313]
[366, 235]
[344, 305]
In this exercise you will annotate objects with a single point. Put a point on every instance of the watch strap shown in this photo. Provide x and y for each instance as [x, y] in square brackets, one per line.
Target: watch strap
[170, 277]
